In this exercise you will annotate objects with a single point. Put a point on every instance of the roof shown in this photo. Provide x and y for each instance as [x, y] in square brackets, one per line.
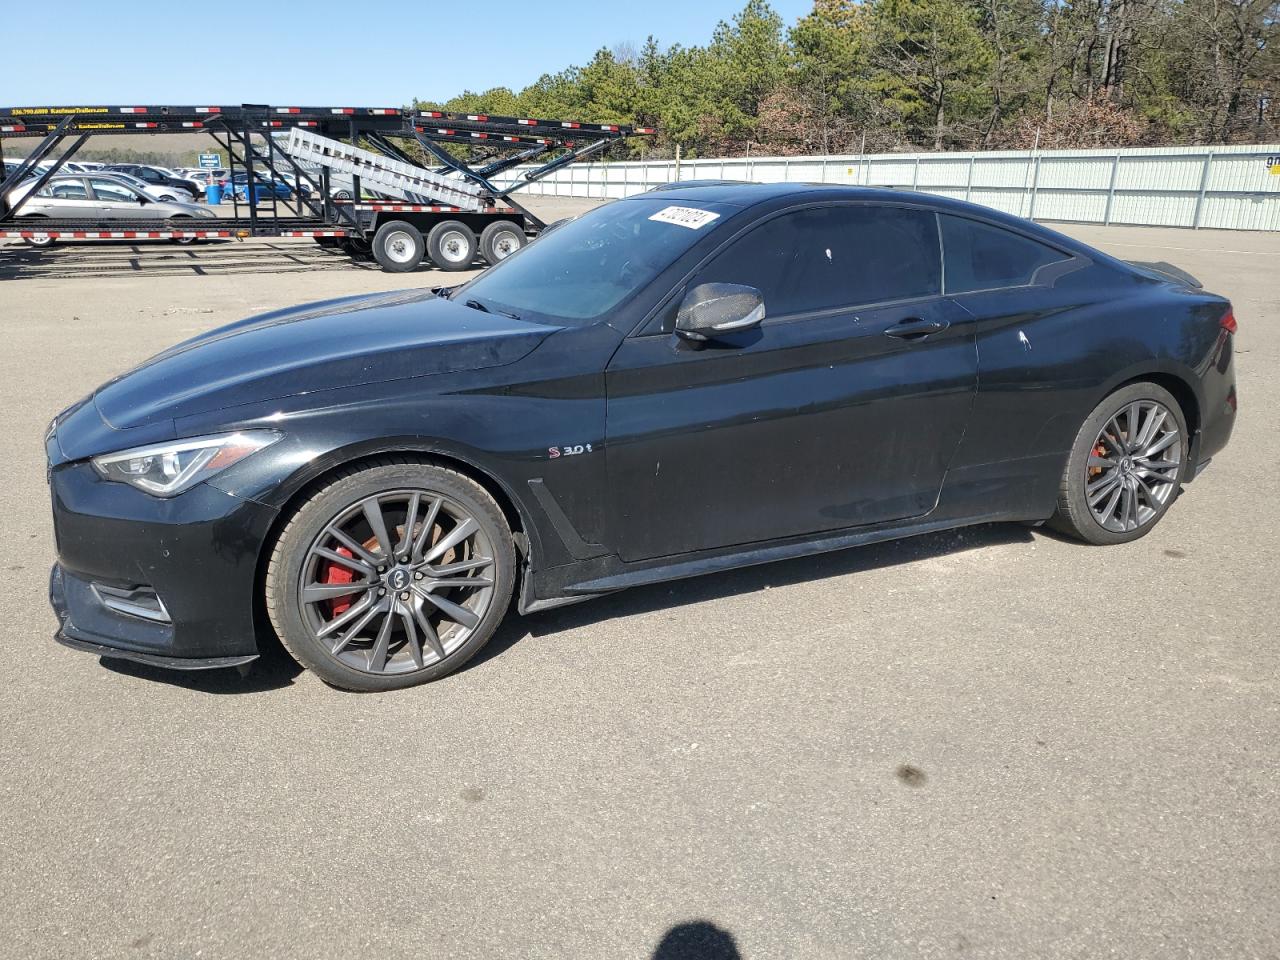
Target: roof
[745, 194]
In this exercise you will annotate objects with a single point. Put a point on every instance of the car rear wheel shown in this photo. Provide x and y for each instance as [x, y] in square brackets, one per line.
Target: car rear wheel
[1126, 467]
[40, 242]
[392, 575]
[451, 245]
[499, 240]
[398, 246]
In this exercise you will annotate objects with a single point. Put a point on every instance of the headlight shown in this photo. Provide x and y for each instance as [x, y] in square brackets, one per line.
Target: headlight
[167, 469]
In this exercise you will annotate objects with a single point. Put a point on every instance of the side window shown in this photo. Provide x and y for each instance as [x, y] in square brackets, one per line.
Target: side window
[68, 190]
[982, 257]
[113, 192]
[837, 256]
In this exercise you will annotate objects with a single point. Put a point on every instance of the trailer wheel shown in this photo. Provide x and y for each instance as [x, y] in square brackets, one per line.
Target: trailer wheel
[499, 240]
[398, 247]
[451, 245]
[357, 248]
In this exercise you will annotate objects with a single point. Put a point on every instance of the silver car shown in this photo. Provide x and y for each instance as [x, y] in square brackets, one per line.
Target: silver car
[99, 197]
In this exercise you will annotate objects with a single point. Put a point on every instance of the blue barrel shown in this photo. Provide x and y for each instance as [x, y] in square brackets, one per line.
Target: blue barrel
[213, 193]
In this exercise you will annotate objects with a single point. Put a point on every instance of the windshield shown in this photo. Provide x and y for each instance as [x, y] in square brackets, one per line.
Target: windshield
[583, 269]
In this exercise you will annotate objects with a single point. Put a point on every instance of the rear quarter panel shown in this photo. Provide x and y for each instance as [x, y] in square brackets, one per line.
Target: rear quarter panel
[1048, 356]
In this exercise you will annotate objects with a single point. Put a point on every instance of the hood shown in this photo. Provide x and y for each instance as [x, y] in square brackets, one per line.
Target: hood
[315, 347]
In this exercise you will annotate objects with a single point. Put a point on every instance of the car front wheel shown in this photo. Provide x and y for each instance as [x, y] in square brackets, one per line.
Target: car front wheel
[1126, 466]
[391, 575]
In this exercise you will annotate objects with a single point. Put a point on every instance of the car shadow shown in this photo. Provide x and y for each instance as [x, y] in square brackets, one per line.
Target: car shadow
[275, 669]
[782, 573]
[105, 259]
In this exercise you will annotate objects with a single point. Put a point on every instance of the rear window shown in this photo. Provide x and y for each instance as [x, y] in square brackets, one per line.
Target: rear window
[983, 257]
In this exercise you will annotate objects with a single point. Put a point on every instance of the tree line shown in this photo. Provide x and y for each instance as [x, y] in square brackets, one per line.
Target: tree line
[883, 75]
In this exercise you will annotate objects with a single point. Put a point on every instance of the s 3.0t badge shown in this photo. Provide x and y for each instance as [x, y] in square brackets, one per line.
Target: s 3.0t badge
[569, 451]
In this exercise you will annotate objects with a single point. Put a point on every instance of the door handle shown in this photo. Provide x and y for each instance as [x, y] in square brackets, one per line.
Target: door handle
[914, 328]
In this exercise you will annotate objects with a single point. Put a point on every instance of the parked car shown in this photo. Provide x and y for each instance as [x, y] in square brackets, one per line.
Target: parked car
[264, 187]
[341, 185]
[168, 194]
[10, 166]
[669, 385]
[205, 177]
[98, 197]
[158, 177]
[300, 186]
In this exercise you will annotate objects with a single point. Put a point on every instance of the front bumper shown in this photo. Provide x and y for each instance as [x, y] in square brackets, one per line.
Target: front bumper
[198, 552]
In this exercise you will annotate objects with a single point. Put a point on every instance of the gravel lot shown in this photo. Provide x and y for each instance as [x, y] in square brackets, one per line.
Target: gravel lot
[990, 743]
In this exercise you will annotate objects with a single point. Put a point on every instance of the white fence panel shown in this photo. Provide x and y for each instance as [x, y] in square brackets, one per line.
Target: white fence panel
[1229, 188]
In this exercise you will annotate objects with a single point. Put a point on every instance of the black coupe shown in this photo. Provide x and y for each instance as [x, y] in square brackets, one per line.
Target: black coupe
[696, 378]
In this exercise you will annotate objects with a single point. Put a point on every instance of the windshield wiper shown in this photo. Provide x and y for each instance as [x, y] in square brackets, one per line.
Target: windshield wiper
[477, 305]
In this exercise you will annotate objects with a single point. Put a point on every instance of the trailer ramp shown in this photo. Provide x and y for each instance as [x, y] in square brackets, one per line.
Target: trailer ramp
[383, 173]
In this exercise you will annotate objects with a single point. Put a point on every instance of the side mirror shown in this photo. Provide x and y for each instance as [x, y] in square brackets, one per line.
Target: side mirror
[712, 309]
[142, 200]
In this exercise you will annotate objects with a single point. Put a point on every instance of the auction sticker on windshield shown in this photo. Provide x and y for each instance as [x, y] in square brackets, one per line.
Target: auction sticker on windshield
[690, 217]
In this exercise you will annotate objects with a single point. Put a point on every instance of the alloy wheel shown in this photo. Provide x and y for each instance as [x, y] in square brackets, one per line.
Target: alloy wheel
[1134, 466]
[397, 581]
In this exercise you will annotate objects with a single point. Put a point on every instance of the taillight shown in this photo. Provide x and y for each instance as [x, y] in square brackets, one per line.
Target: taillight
[1228, 321]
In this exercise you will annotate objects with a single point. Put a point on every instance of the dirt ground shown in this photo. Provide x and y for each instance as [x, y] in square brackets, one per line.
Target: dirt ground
[991, 743]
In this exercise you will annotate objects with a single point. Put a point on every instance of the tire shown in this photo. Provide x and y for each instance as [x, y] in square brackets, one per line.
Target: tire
[451, 245]
[341, 195]
[361, 640]
[398, 246]
[1131, 486]
[38, 244]
[183, 241]
[358, 248]
[499, 240]
[169, 197]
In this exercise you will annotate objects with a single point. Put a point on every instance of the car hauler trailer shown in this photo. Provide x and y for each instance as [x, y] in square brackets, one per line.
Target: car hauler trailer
[399, 210]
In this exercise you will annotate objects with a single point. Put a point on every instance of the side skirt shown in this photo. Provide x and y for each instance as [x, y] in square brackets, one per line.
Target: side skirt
[752, 556]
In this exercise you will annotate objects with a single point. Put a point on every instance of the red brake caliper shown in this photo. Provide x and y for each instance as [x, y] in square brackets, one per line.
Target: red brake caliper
[337, 573]
[1098, 451]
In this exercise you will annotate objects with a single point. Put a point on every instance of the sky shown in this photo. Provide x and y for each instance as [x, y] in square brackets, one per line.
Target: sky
[322, 52]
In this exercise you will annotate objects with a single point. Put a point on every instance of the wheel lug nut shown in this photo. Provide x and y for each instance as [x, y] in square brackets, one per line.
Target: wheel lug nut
[417, 576]
[382, 592]
[405, 595]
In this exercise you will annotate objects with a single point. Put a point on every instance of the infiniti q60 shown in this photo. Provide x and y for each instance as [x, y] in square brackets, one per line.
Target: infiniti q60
[693, 379]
